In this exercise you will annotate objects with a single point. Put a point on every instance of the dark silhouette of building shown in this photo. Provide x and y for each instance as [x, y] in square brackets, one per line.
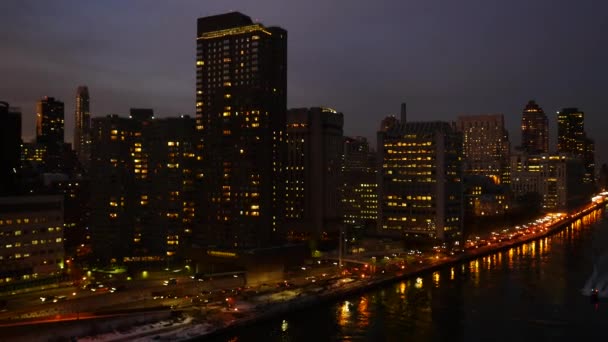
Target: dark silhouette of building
[10, 138]
[167, 195]
[420, 182]
[313, 171]
[241, 87]
[141, 114]
[534, 129]
[403, 112]
[50, 131]
[82, 127]
[116, 167]
[572, 138]
[142, 187]
[603, 179]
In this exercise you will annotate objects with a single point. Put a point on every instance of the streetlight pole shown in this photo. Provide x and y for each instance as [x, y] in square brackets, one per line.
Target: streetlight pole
[340, 247]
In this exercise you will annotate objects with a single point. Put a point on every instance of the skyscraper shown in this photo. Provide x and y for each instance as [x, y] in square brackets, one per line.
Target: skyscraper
[10, 140]
[167, 194]
[142, 186]
[420, 187]
[485, 145]
[116, 169]
[82, 127]
[241, 87]
[534, 129]
[50, 123]
[571, 138]
[50, 131]
[570, 131]
[313, 170]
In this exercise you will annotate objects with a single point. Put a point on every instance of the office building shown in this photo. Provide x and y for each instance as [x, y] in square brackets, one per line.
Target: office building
[486, 146]
[483, 197]
[534, 129]
[241, 88]
[32, 152]
[572, 139]
[50, 124]
[556, 178]
[31, 238]
[313, 171]
[420, 182]
[359, 186]
[82, 127]
[10, 138]
[50, 131]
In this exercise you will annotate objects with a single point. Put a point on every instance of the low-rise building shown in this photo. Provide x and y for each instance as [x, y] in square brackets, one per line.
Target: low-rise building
[31, 237]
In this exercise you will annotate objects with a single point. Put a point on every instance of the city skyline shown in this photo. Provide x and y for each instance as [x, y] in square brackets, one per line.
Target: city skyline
[440, 67]
[278, 157]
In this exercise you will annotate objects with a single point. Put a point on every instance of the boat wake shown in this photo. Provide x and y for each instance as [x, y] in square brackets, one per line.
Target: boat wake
[597, 284]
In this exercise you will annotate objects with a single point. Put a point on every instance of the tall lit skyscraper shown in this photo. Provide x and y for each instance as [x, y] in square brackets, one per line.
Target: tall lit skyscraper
[313, 170]
[420, 182]
[10, 139]
[485, 146]
[82, 127]
[571, 138]
[241, 87]
[534, 129]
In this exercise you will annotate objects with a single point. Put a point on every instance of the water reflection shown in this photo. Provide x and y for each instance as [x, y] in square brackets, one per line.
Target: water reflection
[363, 313]
[436, 279]
[344, 314]
[535, 287]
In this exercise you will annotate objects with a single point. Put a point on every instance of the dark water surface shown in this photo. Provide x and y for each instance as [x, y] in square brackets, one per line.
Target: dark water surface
[528, 293]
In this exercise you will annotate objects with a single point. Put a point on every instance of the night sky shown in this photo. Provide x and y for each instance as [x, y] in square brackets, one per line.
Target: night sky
[363, 58]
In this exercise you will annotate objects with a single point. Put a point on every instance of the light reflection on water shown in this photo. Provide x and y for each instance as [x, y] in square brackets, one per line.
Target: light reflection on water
[529, 292]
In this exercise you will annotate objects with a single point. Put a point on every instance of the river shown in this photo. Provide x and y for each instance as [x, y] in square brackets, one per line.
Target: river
[527, 293]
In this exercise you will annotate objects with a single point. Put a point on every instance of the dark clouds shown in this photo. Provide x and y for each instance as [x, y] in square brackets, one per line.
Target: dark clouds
[361, 57]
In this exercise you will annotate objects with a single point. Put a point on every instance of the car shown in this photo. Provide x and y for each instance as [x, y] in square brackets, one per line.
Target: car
[171, 281]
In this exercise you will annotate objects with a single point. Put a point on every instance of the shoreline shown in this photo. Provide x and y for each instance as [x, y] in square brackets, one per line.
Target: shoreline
[358, 287]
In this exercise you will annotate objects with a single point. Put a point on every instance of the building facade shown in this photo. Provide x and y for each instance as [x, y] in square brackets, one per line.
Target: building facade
[10, 139]
[486, 146]
[313, 171]
[167, 195]
[117, 166]
[572, 139]
[420, 182]
[50, 131]
[359, 186]
[241, 103]
[142, 187]
[534, 129]
[82, 127]
[556, 178]
[31, 238]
